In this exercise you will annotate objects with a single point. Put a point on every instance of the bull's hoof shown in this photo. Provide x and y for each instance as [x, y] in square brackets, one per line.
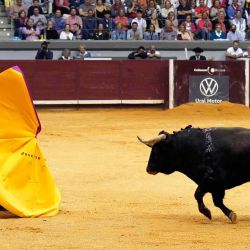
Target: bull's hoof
[233, 217]
[207, 213]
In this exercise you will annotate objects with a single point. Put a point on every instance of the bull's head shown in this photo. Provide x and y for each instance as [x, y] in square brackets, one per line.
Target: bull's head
[160, 154]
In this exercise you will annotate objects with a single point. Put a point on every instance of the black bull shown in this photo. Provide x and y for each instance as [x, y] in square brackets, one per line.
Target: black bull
[216, 159]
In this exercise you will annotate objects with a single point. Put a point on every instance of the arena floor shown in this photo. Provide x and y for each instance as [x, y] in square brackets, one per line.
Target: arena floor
[108, 199]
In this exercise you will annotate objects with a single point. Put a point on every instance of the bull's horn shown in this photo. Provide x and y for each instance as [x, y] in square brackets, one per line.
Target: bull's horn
[152, 141]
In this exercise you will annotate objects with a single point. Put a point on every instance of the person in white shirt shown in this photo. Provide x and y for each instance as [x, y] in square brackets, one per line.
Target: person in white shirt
[240, 24]
[142, 24]
[66, 34]
[246, 54]
[234, 52]
[153, 53]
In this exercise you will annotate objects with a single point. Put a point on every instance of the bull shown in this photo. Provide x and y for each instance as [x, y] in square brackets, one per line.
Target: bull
[216, 159]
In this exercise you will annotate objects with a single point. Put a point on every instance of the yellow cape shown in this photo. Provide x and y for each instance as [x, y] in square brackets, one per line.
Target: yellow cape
[27, 188]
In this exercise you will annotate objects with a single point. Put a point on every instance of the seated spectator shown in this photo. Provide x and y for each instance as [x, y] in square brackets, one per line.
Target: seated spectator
[168, 7]
[204, 27]
[142, 24]
[121, 18]
[199, 10]
[234, 52]
[119, 33]
[31, 8]
[152, 7]
[58, 21]
[246, 54]
[184, 34]
[77, 32]
[171, 17]
[73, 18]
[44, 53]
[62, 5]
[134, 33]
[50, 32]
[133, 6]
[84, 8]
[157, 24]
[100, 33]
[218, 34]
[232, 9]
[46, 6]
[89, 25]
[225, 25]
[247, 8]
[248, 29]
[197, 56]
[19, 23]
[151, 34]
[153, 53]
[82, 53]
[234, 34]
[240, 24]
[30, 32]
[75, 3]
[66, 34]
[39, 20]
[66, 55]
[189, 25]
[168, 32]
[208, 3]
[215, 10]
[16, 7]
[99, 9]
[108, 22]
[140, 53]
[183, 10]
[116, 7]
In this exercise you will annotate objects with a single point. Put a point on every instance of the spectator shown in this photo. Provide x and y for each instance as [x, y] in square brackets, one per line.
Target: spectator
[168, 6]
[119, 33]
[99, 9]
[232, 9]
[189, 25]
[152, 8]
[66, 55]
[50, 32]
[234, 52]
[184, 34]
[30, 32]
[66, 34]
[82, 53]
[75, 3]
[225, 25]
[173, 20]
[215, 10]
[139, 53]
[204, 27]
[197, 56]
[183, 10]
[39, 20]
[199, 10]
[77, 32]
[218, 34]
[62, 5]
[208, 3]
[240, 24]
[151, 34]
[15, 8]
[142, 25]
[90, 25]
[84, 8]
[73, 18]
[168, 33]
[46, 6]
[108, 22]
[234, 34]
[247, 53]
[100, 33]
[153, 20]
[121, 18]
[19, 23]
[31, 8]
[132, 10]
[153, 53]
[116, 7]
[58, 21]
[44, 53]
[134, 33]
[248, 29]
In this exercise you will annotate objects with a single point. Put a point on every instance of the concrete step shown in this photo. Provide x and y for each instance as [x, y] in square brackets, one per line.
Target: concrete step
[5, 25]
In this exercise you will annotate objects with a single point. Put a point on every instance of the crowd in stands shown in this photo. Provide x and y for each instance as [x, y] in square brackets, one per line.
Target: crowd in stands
[131, 19]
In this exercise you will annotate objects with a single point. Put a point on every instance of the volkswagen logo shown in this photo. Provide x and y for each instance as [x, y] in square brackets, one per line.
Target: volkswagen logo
[209, 87]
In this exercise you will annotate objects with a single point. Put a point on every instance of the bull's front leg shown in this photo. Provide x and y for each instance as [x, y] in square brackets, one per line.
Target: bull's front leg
[199, 194]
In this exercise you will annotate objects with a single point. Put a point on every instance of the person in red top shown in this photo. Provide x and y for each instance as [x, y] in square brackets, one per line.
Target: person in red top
[199, 10]
[62, 5]
[121, 18]
[204, 27]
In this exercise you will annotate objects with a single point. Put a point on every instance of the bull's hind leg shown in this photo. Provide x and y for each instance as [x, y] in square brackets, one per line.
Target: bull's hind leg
[199, 194]
[218, 202]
